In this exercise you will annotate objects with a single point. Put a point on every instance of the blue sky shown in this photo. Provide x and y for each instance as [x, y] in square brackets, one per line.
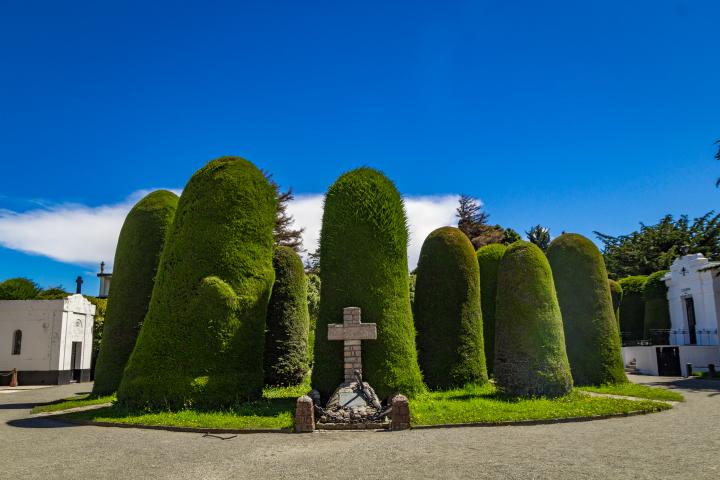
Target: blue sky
[580, 116]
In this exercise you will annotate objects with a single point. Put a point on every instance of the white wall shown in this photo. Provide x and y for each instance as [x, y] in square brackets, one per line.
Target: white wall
[645, 358]
[48, 329]
[690, 276]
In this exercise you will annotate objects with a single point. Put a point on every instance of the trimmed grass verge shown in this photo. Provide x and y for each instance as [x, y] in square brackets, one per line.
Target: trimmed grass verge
[73, 402]
[637, 390]
[472, 404]
[483, 404]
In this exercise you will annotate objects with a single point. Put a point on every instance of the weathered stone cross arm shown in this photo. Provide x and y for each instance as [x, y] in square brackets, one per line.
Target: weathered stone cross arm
[352, 331]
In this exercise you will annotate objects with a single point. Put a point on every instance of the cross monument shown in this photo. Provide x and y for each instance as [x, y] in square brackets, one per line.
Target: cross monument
[352, 331]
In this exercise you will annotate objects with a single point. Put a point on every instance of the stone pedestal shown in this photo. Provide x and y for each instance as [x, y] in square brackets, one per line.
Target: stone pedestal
[400, 416]
[304, 415]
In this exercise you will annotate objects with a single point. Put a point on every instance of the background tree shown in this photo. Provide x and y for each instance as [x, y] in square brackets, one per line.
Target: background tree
[19, 289]
[472, 221]
[655, 247]
[540, 236]
[284, 233]
[717, 157]
[312, 262]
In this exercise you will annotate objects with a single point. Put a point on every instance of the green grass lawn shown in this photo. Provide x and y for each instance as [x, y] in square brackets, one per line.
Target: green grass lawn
[637, 390]
[483, 404]
[472, 404]
[73, 402]
[706, 376]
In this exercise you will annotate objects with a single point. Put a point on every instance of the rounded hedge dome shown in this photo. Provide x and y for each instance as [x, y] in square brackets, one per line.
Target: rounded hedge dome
[530, 357]
[489, 258]
[363, 263]
[616, 294]
[592, 340]
[203, 337]
[448, 316]
[288, 321]
[137, 256]
[632, 308]
[657, 309]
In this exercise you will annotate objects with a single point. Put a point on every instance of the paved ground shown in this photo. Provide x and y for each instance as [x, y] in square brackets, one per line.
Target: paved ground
[681, 443]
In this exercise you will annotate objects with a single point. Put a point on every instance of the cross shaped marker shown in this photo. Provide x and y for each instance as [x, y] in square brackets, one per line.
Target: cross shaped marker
[352, 331]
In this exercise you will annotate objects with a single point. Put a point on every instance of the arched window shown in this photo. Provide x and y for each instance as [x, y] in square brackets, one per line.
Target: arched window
[17, 342]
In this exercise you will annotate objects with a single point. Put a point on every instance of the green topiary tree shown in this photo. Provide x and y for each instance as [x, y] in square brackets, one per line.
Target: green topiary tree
[447, 311]
[363, 263]
[203, 337]
[591, 334]
[489, 260]
[288, 320]
[136, 260]
[616, 293]
[530, 357]
[632, 308]
[657, 309]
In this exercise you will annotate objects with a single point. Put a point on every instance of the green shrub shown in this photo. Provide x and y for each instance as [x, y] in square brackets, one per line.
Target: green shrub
[363, 263]
[632, 308]
[592, 340]
[657, 310]
[19, 289]
[448, 316]
[616, 293]
[136, 260]
[286, 334]
[313, 301]
[53, 293]
[489, 260]
[202, 340]
[530, 357]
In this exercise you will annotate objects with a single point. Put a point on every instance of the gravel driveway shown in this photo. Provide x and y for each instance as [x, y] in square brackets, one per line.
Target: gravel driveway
[681, 443]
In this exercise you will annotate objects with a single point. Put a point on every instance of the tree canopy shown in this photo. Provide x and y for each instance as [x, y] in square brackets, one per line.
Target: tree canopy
[654, 247]
[472, 221]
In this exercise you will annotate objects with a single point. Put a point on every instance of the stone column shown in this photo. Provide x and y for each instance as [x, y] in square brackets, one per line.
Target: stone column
[400, 415]
[304, 415]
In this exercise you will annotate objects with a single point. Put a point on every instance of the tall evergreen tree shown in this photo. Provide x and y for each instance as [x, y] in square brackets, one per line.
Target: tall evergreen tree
[472, 220]
[540, 236]
[284, 233]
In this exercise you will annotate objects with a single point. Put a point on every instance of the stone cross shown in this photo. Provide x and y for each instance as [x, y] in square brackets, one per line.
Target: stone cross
[352, 331]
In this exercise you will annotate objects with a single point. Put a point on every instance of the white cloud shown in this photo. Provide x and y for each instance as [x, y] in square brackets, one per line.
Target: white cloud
[70, 233]
[85, 235]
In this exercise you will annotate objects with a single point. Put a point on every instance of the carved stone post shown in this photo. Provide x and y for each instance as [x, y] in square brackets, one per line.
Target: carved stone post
[304, 415]
[400, 416]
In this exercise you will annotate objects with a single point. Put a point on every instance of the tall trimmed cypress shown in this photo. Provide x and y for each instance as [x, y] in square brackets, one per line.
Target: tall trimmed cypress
[591, 336]
[632, 308]
[489, 261]
[203, 337]
[616, 293]
[363, 263]
[657, 310]
[288, 320]
[448, 316]
[137, 256]
[530, 356]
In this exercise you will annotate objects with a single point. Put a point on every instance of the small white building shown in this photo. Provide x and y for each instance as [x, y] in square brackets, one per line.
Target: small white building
[47, 341]
[694, 302]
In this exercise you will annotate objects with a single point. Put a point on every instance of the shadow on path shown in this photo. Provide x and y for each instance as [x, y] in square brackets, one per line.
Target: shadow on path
[712, 387]
[39, 422]
[19, 406]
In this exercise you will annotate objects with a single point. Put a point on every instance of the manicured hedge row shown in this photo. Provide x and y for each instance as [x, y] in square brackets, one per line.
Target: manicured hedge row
[288, 320]
[530, 356]
[489, 258]
[363, 263]
[616, 294]
[137, 256]
[591, 335]
[203, 337]
[632, 308]
[448, 316]
[657, 309]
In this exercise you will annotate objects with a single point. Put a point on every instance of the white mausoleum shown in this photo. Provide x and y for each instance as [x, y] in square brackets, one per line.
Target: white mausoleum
[694, 302]
[47, 341]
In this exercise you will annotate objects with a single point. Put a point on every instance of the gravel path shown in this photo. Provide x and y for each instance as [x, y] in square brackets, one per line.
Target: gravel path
[681, 443]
